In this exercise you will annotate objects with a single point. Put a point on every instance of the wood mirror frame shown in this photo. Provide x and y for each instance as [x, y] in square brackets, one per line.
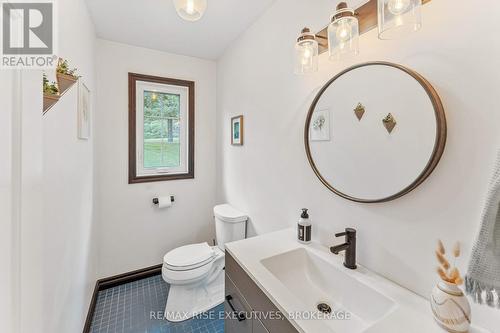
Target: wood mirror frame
[439, 145]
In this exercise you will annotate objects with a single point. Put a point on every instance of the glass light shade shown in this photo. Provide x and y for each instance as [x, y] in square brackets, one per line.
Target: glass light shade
[397, 18]
[190, 10]
[306, 55]
[343, 37]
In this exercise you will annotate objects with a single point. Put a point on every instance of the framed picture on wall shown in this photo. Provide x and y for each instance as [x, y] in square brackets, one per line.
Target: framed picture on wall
[83, 111]
[237, 131]
[320, 126]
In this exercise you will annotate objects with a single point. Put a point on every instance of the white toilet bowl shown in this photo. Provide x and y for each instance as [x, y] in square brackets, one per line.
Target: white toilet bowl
[195, 271]
[191, 263]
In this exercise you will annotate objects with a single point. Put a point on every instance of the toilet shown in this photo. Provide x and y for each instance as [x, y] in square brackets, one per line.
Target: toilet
[195, 271]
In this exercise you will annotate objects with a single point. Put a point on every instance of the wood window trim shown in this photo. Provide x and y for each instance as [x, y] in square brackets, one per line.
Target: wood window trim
[132, 137]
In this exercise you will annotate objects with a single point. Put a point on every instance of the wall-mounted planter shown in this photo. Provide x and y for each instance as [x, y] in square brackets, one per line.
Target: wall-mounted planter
[49, 101]
[66, 78]
[65, 81]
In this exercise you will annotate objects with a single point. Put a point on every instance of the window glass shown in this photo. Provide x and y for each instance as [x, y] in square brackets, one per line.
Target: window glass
[161, 130]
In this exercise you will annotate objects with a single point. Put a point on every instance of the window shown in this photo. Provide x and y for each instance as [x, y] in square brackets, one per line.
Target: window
[161, 129]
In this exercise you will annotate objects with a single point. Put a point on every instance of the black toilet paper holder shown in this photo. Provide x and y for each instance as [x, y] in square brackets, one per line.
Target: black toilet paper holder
[157, 201]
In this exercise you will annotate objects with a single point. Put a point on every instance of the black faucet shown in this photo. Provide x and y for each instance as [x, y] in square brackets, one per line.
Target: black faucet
[349, 246]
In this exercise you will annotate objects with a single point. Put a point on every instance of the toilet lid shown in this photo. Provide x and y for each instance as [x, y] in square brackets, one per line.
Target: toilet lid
[228, 213]
[189, 255]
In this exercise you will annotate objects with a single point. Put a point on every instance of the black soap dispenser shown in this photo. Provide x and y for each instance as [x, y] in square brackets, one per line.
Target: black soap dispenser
[304, 228]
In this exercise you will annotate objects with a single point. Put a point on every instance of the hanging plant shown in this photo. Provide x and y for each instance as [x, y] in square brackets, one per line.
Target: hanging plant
[50, 93]
[49, 88]
[63, 68]
[66, 77]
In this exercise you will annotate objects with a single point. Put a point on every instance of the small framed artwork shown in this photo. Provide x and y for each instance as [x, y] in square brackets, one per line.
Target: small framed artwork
[320, 126]
[83, 111]
[237, 131]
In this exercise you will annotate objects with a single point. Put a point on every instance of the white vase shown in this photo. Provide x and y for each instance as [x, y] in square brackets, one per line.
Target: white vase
[450, 308]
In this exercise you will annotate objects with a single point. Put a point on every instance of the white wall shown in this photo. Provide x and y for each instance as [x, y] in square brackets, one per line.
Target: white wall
[133, 233]
[270, 178]
[28, 212]
[46, 202]
[58, 247]
[6, 87]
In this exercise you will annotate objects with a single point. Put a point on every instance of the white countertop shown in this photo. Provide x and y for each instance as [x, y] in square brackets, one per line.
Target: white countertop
[412, 315]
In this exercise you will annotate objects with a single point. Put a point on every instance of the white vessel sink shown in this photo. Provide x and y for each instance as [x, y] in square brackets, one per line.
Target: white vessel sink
[313, 280]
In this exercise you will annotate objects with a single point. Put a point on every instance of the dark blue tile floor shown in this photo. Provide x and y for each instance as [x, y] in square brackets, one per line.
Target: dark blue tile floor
[132, 307]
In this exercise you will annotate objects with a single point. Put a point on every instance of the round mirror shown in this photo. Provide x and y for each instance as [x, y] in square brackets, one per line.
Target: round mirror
[375, 132]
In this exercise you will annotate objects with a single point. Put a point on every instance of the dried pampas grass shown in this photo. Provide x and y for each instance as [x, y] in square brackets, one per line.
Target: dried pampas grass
[454, 274]
[456, 250]
[442, 260]
[440, 248]
[445, 273]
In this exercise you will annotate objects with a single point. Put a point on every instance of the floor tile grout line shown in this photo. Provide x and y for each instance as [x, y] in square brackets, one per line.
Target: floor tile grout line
[120, 305]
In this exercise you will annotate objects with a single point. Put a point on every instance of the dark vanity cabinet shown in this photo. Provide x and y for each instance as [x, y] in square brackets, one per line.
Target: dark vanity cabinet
[248, 309]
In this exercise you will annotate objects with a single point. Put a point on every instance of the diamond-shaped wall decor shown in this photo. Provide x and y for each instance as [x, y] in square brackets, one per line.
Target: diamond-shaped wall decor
[389, 123]
[359, 111]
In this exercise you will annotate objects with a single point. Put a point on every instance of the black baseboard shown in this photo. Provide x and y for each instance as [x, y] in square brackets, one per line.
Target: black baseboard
[114, 281]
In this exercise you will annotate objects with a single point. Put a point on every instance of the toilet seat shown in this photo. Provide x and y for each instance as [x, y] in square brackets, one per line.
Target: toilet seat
[191, 272]
[189, 257]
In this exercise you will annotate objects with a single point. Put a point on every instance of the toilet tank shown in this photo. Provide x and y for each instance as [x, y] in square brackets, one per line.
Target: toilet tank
[230, 224]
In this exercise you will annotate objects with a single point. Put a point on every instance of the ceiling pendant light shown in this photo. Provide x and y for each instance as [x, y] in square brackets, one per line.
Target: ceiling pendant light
[343, 33]
[190, 10]
[397, 18]
[306, 53]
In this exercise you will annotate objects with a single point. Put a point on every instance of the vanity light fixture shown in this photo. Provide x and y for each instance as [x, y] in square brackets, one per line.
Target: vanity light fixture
[343, 33]
[190, 10]
[397, 18]
[306, 53]
[394, 18]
